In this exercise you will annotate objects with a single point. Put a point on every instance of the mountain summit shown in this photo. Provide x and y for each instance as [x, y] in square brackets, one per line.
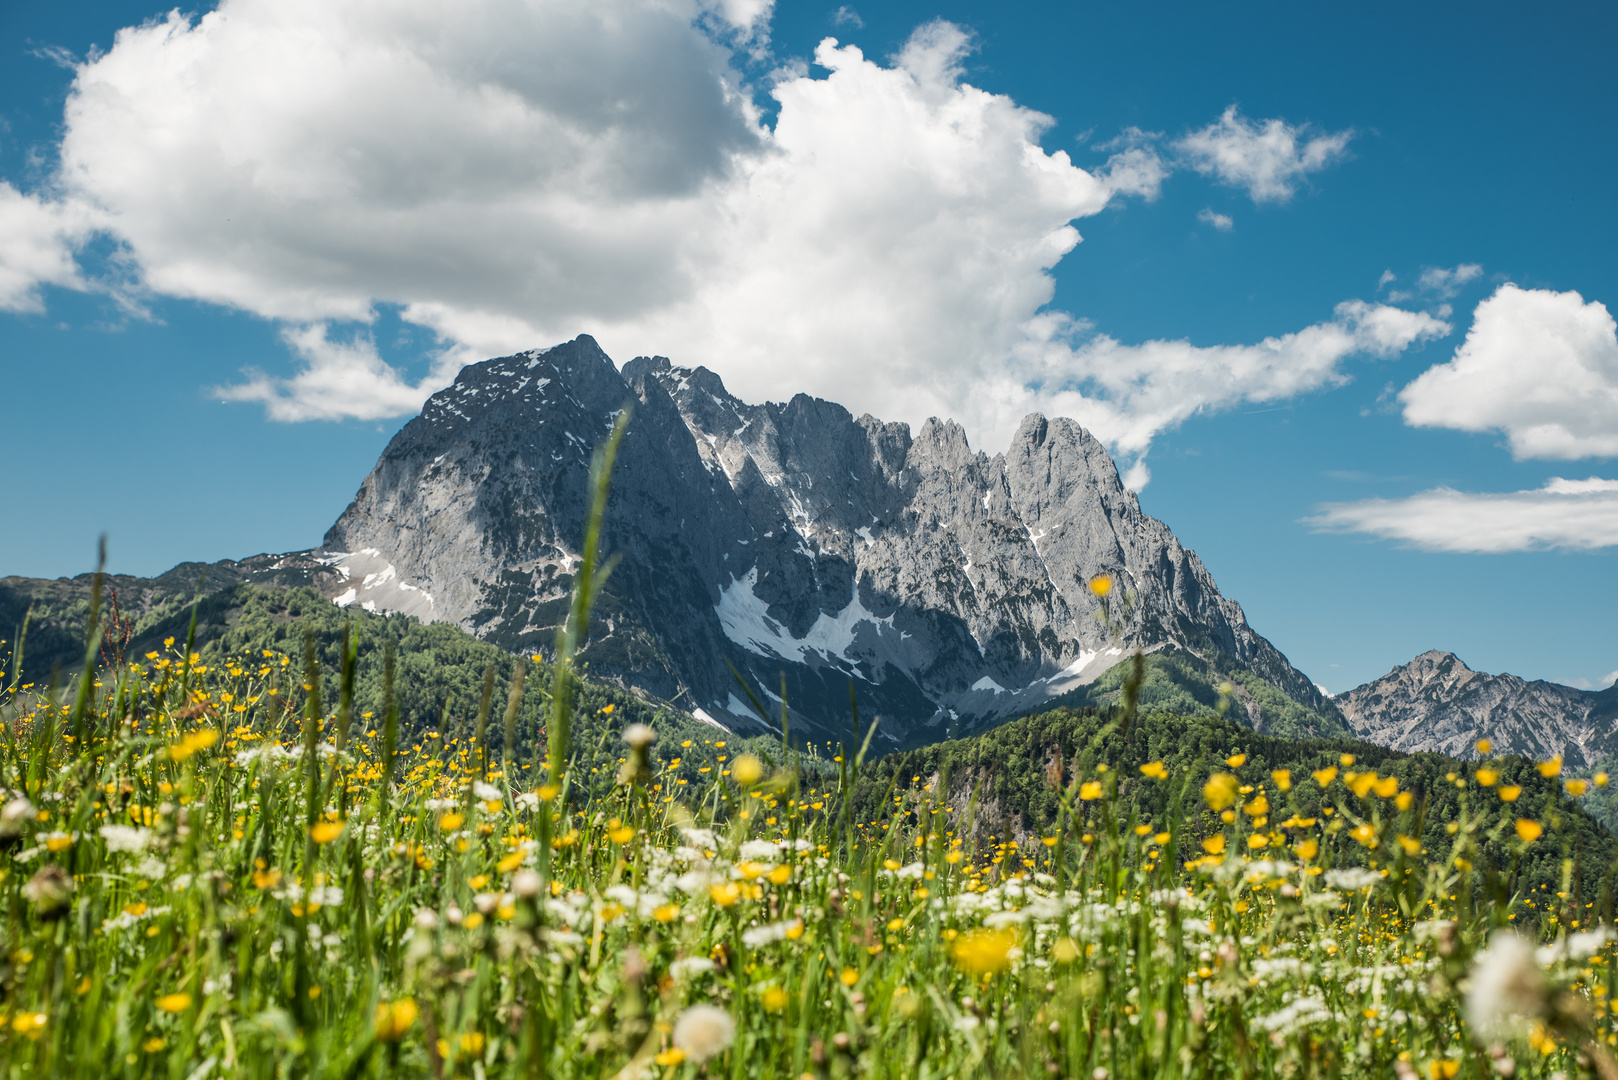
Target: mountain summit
[1437, 703]
[793, 540]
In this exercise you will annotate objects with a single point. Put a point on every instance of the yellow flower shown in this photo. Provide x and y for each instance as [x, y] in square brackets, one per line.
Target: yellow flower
[1387, 787]
[1346, 760]
[547, 792]
[774, 999]
[1411, 845]
[266, 879]
[1257, 840]
[174, 1003]
[672, 1056]
[1509, 792]
[849, 977]
[1220, 790]
[1066, 950]
[1577, 787]
[394, 1019]
[1154, 770]
[1365, 835]
[326, 832]
[622, 835]
[1236, 761]
[780, 875]
[666, 913]
[1307, 849]
[1487, 777]
[1485, 747]
[1214, 845]
[1258, 807]
[1550, 768]
[1443, 1068]
[58, 841]
[1403, 800]
[192, 743]
[1090, 790]
[1282, 779]
[747, 770]
[1600, 778]
[1101, 584]
[725, 894]
[153, 1044]
[510, 862]
[983, 951]
[451, 821]
[1529, 831]
[1325, 776]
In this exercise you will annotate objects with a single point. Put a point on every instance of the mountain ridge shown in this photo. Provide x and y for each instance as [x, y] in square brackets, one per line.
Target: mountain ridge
[790, 540]
[1435, 702]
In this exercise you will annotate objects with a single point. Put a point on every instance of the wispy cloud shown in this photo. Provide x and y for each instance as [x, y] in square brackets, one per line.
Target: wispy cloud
[1209, 216]
[1571, 514]
[1268, 158]
[847, 16]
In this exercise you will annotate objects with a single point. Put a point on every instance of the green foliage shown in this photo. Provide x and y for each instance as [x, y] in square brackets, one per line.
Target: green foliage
[1019, 772]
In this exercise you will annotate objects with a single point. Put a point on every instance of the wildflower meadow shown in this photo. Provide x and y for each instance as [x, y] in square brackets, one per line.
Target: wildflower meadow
[234, 869]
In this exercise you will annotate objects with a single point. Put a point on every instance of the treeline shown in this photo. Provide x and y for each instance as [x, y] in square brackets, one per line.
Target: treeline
[1013, 776]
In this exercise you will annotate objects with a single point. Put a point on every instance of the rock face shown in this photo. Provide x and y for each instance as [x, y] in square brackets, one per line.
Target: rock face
[793, 541]
[1437, 703]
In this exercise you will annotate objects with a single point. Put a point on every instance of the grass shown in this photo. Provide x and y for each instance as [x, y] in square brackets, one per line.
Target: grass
[219, 870]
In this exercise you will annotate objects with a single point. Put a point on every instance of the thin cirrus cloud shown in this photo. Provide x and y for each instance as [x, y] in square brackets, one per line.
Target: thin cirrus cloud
[510, 175]
[1572, 514]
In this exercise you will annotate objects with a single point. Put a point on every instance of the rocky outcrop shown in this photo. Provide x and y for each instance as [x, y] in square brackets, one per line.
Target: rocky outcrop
[1437, 703]
[801, 545]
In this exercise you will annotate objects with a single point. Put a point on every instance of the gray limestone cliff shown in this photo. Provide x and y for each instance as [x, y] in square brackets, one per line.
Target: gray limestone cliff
[791, 540]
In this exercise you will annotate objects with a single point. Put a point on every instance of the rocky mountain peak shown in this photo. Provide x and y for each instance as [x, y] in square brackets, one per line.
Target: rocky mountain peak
[789, 539]
[1435, 702]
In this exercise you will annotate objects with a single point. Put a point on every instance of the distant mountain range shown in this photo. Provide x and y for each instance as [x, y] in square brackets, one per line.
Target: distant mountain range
[1437, 703]
[796, 544]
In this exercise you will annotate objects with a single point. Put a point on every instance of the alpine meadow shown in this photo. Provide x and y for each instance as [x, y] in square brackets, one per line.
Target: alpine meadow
[808, 540]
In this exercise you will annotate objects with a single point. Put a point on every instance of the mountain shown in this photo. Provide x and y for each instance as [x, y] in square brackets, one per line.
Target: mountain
[801, 545]
[1437, 703]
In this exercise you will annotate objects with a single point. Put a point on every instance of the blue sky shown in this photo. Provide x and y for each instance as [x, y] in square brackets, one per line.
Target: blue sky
[887, 229]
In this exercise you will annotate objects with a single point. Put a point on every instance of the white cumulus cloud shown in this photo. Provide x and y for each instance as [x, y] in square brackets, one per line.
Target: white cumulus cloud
[1268, 158]
[512, 173]
[37, 238]
[1539, 366]
[339, 379]
[1573, 514]
[1209, 216]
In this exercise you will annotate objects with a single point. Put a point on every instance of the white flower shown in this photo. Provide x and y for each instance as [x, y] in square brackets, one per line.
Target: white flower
[526, 883]
[425, 919]
[329, 896]
[760, 936]
[1352, 879]
[701, 838]
[1506, 989]
[690, 966]
[487, 792]
[760, 850]
[16, 817]
[527, 800]
[442, 804]
[703, 1031]
[151, 869]
[125, 838]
